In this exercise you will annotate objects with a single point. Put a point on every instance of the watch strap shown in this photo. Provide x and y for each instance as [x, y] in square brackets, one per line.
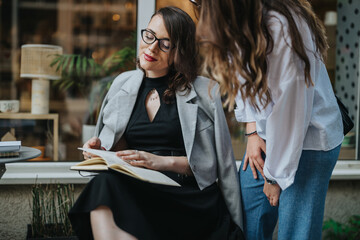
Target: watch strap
[269, 181]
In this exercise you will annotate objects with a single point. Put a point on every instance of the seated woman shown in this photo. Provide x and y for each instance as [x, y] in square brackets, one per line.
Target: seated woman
[172, 122]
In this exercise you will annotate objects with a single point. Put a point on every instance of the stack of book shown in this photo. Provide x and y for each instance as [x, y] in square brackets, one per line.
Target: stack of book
[10, 149]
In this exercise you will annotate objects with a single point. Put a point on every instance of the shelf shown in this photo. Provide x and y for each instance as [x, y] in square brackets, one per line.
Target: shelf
[29, 116]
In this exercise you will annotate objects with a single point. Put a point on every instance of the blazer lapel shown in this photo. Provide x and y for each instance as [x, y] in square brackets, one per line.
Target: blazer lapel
[188, 116]
[125, 101]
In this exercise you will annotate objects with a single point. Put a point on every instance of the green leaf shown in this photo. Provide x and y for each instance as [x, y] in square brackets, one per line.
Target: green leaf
[66, 62]
[92, 66]
[56, 60]
[78, 66]
[84, 65]
[69, 84]
[71, 66]
[60, 63]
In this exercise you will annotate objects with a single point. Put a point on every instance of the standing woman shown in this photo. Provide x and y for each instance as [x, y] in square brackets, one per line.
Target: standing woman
[170, 123]
[268, 56]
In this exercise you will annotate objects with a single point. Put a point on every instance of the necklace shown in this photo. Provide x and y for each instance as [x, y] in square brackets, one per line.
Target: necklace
[152, 97]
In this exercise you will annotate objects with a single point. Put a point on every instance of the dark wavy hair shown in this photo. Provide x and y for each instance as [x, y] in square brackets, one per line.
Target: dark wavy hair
[183, 71]
[236, 39]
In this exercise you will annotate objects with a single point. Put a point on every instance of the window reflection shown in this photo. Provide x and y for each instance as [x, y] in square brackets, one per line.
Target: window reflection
[93, 29]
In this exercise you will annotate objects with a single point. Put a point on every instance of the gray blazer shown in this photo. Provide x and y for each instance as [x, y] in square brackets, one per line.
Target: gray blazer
[204, 128]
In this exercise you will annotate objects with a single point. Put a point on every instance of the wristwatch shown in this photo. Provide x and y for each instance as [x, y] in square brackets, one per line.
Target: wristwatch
[269, 181]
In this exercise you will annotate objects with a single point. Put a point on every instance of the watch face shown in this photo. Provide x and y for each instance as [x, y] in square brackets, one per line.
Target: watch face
[270, 181]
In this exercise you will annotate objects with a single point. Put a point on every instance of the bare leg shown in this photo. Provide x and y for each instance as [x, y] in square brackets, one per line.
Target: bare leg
[104, 227]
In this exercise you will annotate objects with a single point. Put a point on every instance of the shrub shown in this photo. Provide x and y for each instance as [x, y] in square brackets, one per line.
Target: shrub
[50, 207]
[347, 231]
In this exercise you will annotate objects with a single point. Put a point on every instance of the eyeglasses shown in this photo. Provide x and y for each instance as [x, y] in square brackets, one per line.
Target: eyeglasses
[195, 3]
[149, 38]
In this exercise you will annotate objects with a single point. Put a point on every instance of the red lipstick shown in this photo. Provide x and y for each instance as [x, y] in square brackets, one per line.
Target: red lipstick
[149, 58]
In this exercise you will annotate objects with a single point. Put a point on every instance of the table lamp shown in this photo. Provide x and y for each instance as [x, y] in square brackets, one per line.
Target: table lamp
[35, 64]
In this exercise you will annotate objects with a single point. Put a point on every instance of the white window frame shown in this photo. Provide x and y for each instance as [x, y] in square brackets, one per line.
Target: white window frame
[145, 9]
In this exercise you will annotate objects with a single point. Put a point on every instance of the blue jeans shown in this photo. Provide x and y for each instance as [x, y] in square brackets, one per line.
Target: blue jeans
[301, 206]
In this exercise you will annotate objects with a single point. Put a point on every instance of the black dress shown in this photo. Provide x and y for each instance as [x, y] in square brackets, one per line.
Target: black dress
[154, 211]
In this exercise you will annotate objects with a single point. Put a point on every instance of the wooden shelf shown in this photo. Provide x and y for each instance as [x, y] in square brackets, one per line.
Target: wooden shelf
[29, 116]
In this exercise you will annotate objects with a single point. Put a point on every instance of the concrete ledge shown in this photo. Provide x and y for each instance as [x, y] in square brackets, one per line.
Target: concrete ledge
[38, 172]
[59, 172]
[346, 170]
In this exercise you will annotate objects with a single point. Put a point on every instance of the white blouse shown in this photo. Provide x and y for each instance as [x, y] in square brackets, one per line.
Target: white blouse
[298, 117]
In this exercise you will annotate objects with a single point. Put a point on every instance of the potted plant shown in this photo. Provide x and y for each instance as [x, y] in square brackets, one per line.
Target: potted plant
[347, 231]
[50, 207]
[84, 74]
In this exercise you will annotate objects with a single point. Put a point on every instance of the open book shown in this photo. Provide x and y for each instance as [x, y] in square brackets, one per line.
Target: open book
[108, 159]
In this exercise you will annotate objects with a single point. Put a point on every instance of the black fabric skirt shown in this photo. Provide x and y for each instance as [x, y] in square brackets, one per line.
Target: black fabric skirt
[154, 211]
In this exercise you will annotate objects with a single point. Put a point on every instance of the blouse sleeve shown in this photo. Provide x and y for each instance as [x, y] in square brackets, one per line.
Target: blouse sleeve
[244, 112]
[286, 126]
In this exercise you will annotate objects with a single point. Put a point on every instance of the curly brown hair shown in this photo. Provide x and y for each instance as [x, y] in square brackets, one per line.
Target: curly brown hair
[236, 39]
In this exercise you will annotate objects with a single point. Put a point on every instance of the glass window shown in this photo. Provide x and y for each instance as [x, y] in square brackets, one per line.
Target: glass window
[92, 30]
[341, 20]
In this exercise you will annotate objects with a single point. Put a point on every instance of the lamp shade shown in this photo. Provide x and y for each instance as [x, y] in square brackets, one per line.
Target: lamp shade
[35, 63]
[36, 60]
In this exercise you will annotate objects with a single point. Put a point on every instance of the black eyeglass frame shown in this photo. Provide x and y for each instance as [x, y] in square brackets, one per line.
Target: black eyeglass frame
[156, 39]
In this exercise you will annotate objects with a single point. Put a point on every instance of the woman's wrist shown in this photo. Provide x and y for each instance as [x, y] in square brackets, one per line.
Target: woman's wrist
[250, 127]
[170, 163]
[250, 133]
[179, 165]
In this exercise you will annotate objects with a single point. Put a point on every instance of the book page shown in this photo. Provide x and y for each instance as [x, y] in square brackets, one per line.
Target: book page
[152, 176]
[120, 165]
[92, 161]
[95, 163]
[108, 156]
[95, 167]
